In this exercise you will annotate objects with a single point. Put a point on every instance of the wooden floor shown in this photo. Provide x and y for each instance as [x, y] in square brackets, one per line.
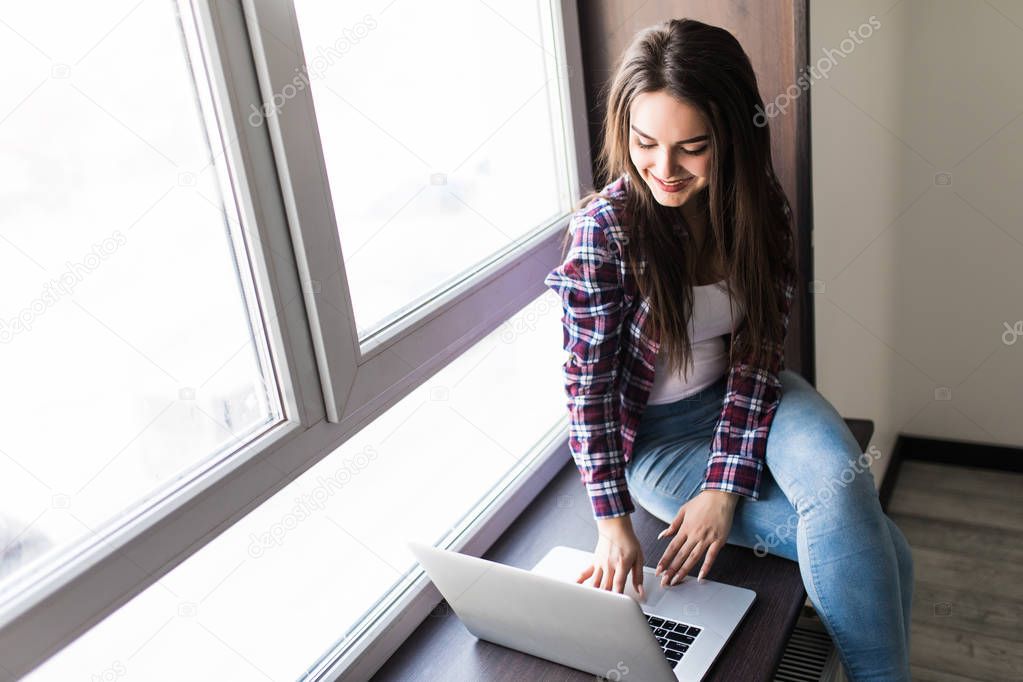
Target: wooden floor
[965, 526]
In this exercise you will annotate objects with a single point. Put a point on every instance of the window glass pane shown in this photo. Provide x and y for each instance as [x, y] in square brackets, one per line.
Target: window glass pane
[126, 349]
[442, 134]
[295, 577]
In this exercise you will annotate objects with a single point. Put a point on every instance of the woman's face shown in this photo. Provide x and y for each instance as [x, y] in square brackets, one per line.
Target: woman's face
[669, 143]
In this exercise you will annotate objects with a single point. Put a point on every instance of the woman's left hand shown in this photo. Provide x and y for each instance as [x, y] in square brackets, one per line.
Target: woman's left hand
[702, 525]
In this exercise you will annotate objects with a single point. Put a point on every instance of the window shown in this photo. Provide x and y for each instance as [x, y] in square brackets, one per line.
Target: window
[198, 318]
[127, 345]
[425, 152]
[444, 150]
[306, 573]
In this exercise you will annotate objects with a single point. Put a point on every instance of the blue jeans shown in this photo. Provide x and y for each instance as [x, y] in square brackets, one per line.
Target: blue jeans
[818, 506]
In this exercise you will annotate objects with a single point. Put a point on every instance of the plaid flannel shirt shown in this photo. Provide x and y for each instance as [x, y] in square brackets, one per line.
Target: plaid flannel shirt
[610, 370]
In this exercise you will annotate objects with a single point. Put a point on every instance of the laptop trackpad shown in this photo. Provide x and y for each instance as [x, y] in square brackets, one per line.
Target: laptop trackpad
[566, 563]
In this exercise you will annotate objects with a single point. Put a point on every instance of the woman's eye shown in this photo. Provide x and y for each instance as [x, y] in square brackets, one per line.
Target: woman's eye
[695, 152]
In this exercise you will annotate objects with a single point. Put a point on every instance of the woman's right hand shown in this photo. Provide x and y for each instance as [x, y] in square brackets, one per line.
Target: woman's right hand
[617, 554]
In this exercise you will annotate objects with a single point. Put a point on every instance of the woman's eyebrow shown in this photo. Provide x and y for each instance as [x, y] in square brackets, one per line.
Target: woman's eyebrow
[698, 138]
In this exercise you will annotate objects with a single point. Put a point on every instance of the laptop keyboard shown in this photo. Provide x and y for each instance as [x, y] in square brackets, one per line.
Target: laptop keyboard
[674, 637]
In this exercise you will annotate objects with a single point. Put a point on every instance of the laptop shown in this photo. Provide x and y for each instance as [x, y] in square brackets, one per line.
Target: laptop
[674, 633]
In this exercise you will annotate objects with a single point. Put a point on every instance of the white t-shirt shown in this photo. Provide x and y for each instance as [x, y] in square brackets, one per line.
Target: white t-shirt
[712, 317]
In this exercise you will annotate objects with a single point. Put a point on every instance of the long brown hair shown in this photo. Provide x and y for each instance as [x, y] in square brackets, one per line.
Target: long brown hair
[747, 211]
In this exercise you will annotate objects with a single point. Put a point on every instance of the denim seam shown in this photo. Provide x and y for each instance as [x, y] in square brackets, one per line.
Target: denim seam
[906, 616]
[814, 581]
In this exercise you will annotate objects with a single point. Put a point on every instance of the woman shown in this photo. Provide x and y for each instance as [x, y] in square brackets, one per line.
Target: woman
[676, 287]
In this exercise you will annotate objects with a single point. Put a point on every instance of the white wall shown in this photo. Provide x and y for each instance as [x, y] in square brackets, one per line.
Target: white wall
[918, 272]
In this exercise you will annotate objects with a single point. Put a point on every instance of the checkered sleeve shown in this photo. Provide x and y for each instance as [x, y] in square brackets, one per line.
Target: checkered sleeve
[738, 448]
[591, 295]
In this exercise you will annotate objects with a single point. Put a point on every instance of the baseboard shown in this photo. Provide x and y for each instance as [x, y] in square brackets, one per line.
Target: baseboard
[891, 474]
[963, 453]
[947, 451]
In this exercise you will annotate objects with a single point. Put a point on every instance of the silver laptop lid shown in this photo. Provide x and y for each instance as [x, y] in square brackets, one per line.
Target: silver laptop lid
[572, 624]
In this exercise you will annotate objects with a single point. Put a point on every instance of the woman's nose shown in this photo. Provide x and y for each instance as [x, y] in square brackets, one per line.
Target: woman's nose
[666, 167]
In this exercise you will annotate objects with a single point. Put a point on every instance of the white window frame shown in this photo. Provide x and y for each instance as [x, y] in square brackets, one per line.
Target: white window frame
[358, 380]
[42, 613]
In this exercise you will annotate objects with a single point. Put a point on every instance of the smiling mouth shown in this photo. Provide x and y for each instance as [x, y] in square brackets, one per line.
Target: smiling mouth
[673, 185]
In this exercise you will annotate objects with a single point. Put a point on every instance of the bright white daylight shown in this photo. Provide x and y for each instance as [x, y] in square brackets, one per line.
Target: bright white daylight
[165, 326]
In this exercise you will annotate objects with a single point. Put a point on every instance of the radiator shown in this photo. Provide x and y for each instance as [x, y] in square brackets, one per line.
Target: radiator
[810, 655]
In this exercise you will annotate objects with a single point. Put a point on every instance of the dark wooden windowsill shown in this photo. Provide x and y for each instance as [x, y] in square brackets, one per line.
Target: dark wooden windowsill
[442, 649]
